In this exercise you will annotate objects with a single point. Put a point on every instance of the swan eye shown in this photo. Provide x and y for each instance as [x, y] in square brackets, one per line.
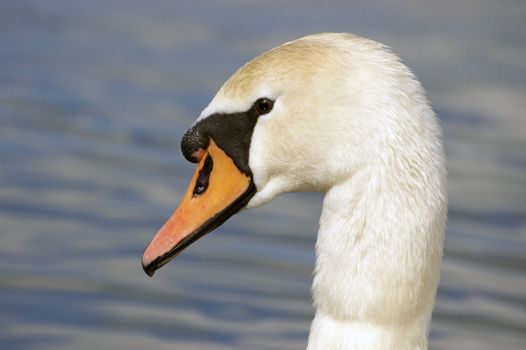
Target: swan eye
[263, 106]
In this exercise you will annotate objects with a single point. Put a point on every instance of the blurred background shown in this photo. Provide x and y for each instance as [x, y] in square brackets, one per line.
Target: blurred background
[94, 97]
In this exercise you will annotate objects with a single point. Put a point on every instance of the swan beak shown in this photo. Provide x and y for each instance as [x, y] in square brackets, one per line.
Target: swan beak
[217, 191]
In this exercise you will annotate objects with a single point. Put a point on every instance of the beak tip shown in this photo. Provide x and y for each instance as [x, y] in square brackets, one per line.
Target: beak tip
[148, 269]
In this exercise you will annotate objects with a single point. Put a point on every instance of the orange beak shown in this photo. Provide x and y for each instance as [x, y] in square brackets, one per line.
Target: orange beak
[217, 191]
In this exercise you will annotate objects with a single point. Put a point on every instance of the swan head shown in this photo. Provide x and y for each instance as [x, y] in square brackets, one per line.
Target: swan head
[300, 117]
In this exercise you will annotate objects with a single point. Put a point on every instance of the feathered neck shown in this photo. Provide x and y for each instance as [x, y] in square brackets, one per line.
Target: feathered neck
[378, 259]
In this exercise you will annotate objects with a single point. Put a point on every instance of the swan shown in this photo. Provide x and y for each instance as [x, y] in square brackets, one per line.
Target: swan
[340, 114]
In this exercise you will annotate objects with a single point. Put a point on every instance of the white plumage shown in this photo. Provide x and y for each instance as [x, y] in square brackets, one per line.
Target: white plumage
[352, 121]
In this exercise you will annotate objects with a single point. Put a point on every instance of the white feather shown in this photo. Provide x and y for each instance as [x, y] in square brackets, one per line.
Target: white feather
[352, 121]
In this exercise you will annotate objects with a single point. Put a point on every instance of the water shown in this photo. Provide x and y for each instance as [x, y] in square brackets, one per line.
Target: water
[94, 97]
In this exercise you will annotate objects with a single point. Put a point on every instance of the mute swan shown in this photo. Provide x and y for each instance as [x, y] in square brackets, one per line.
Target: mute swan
[340, 114]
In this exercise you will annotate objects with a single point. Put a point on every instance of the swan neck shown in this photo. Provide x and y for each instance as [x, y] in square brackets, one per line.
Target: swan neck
[377, 264]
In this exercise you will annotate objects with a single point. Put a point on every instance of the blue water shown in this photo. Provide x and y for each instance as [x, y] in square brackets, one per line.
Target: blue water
[94, 97]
